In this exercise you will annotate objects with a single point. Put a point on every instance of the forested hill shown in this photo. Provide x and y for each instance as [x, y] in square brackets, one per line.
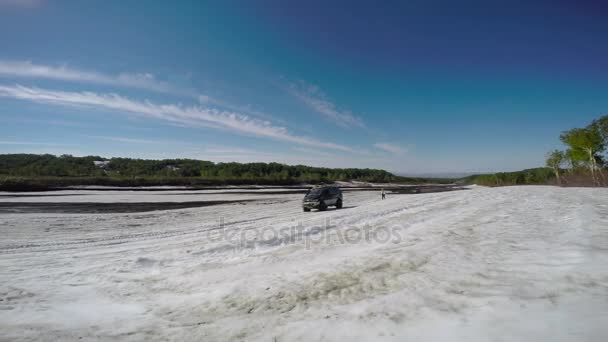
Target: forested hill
[170, 171]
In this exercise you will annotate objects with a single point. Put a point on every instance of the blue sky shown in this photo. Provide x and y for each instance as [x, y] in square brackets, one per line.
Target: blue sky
[408, 86]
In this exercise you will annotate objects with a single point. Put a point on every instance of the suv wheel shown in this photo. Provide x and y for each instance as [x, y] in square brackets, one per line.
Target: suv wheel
[322, 206]
[306, 209]
[339, 204]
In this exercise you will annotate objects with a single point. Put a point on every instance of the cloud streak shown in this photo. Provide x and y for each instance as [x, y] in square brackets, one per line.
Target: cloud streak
[27, 69]
[391, 148]
[315, 99]
[33, 143]
[191, 116]
[131, 140]
[144, 81]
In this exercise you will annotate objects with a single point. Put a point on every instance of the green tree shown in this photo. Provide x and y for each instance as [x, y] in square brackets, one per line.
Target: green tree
[574, 159]
[554, 161]
[585, 144]
[601, 125]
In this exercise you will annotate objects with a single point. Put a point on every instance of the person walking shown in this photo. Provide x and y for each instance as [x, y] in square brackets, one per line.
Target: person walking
[383, 194]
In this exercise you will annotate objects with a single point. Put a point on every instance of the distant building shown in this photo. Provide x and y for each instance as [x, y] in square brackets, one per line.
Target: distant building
[102, 164]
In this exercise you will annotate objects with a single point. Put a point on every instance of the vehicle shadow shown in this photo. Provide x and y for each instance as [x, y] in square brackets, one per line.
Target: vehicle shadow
[334, 208]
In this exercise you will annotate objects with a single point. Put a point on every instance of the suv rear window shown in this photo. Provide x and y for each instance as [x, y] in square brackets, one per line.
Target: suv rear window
[315, 191]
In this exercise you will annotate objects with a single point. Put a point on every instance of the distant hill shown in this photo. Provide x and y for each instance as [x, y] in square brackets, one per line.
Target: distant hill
[435, 175]
[41, 171]
[540, 175]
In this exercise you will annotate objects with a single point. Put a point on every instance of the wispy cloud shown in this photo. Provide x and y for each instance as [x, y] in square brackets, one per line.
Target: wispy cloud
[391, 148]
[207, 100]
[145, 81]
[174, 113]
[312, 96]
[27, 69]
[29, 143]
[130, 140]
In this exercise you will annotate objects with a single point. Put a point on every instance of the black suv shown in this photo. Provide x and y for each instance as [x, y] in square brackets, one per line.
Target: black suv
[322, 197]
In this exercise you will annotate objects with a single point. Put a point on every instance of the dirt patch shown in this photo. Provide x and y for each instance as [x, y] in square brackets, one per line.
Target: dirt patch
[104, 208]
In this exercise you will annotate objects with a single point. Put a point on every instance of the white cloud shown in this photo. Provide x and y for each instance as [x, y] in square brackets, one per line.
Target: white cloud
[314, 98]
[208, 100]
[191, 116]
[145, 81]
[32, 143]
[64, 73]
[130, 140]
[391, 148]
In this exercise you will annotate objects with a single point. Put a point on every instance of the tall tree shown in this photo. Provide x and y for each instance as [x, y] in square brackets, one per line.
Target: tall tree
[601, 125]
[574, 159]
[555, 161]
[585, 142]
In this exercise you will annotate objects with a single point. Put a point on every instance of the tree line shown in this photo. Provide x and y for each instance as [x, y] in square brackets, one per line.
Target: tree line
[585, 152]
[539, 175]
[127, 171]
[582, 162]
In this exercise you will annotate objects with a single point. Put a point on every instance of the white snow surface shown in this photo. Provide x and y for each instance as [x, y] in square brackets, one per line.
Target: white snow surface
[503, 264]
